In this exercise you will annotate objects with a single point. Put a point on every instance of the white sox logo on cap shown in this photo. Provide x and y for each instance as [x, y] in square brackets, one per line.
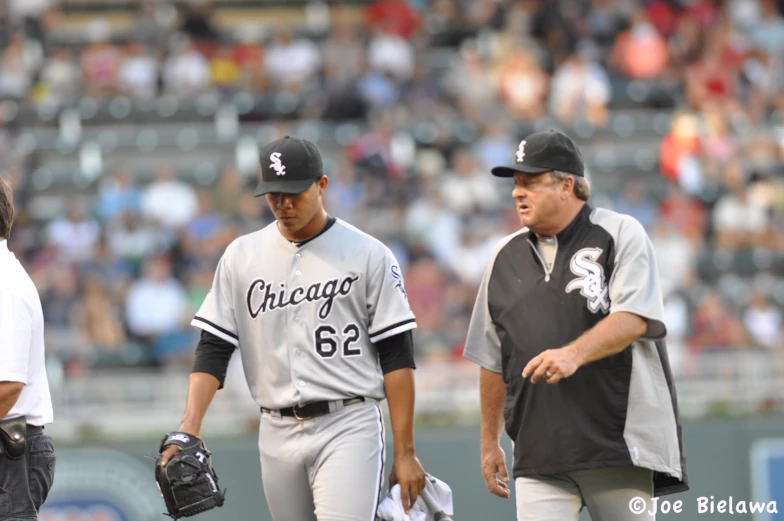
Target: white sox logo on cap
[521, 151]
[276, 165]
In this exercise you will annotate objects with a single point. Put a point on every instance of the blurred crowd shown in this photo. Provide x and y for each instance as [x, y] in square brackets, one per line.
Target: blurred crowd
[122, 272]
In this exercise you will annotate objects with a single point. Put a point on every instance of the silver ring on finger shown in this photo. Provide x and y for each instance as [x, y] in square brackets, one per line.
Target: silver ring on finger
[549, 374]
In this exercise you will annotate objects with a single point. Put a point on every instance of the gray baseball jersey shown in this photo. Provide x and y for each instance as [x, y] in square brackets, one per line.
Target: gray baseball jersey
[305, 317]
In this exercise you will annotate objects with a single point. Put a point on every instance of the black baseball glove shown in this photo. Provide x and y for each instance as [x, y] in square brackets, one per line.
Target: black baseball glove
[188, 482]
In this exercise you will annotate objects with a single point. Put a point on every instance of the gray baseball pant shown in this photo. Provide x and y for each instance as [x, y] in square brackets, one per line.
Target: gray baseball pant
[606, 492]
[327, 468]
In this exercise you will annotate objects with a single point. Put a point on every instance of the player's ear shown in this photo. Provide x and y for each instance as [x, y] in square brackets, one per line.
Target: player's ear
[322, 183]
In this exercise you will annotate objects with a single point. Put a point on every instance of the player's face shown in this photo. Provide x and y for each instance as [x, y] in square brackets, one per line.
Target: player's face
[297, 213]
[539, 199]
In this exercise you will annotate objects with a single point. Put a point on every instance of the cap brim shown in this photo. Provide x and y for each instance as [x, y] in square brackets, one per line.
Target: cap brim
[510, 171]
[283, 187]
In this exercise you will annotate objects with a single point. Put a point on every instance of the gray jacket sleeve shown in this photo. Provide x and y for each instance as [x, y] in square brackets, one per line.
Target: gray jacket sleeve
[483, 346]
[634, 284]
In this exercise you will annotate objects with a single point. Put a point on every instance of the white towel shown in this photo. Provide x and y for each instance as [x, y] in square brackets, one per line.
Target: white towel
[433, 504]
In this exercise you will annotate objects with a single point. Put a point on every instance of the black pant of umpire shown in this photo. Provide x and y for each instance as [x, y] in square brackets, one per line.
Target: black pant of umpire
[25, 482]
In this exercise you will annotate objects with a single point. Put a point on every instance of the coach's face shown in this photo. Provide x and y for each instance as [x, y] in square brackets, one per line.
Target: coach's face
[539, 199]
[294, 212]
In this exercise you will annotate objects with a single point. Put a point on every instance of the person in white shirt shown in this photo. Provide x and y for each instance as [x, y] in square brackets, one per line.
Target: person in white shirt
[27, 456]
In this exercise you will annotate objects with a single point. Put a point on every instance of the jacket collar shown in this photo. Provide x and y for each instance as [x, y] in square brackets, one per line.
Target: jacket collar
[573, 227]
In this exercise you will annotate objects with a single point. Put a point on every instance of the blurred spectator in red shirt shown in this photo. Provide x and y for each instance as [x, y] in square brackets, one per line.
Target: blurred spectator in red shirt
[706, 12]
[662, 15]
[715, 327]
[248, 54]
[714, 78]
[683, 140]
[685, 213]
[100, 64]
[400, 17]
[640, 52]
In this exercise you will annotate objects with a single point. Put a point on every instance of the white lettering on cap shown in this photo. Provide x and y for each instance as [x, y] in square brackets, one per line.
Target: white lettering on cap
[521, 151]
[276, 165]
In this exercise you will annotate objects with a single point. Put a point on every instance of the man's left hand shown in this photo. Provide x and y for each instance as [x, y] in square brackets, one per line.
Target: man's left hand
[408, 472]
[552, 365]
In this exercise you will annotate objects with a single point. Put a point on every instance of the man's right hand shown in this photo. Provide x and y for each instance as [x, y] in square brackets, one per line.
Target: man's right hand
[171, 450]
[493, 466]
[168, 453]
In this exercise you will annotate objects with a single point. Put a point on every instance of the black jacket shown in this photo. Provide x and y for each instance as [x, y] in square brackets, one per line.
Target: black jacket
[620, 410]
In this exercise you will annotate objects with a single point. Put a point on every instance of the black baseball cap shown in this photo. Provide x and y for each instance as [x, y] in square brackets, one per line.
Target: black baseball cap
[289, 165]
[542, 152]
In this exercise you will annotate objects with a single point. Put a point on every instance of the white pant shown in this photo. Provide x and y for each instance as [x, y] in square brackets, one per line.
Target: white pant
[606, 493]
[328, 468]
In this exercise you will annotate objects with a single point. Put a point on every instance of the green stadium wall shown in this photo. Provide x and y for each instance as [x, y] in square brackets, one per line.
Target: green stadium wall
[114, 482]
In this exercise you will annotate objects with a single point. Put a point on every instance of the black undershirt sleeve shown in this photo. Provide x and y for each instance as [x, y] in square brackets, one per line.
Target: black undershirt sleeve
[212, 356]
[396, 352]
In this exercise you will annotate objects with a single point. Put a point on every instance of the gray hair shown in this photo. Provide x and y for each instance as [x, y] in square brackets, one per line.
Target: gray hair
[582, 188]
[6, 208]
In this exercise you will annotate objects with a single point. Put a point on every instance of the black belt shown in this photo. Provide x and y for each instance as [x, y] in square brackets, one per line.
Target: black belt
[34, 430]
[310, 410]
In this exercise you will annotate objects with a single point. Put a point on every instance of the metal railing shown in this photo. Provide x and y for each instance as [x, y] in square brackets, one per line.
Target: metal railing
[120, 405]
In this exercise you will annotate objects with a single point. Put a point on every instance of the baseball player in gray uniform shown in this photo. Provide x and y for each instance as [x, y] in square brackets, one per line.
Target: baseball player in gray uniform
[320, 315]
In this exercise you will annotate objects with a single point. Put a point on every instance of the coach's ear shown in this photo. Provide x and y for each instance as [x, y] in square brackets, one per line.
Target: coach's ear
[567, 187]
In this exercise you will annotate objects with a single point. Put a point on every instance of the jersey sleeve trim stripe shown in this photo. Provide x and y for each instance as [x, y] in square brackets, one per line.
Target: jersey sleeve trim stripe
[394, 329]
[216, 330]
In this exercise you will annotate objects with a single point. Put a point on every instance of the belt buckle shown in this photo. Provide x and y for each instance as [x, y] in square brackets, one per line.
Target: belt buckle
[295, 410]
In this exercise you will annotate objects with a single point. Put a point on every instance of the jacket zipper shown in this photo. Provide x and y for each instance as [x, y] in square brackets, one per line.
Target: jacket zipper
[544, 264]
